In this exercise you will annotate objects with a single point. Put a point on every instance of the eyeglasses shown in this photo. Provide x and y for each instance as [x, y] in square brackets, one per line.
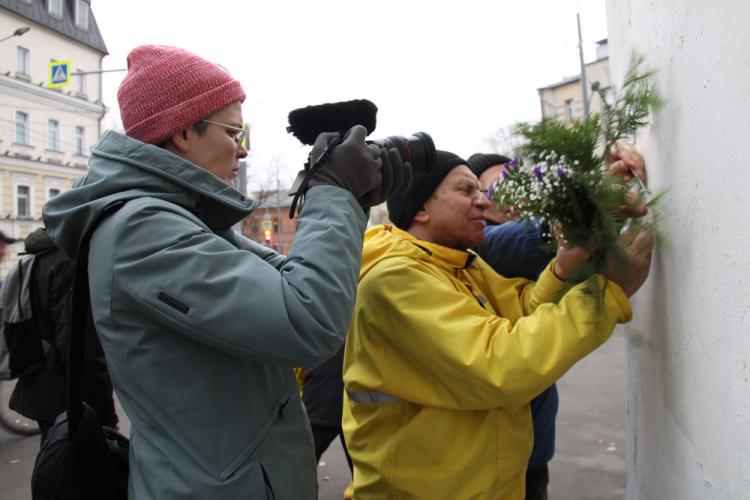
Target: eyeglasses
[239, 133]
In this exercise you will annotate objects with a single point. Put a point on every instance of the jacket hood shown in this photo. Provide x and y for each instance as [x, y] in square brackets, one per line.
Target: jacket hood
[121, 169]
[385, 242]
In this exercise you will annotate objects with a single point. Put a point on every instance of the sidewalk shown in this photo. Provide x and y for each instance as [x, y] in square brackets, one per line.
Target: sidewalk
[590, 461]
[17, 454]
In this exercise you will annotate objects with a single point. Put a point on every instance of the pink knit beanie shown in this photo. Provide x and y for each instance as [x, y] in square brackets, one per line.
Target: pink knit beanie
[168, 89]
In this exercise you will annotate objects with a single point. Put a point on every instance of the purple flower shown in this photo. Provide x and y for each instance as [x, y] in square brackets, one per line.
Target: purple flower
[538, 172]
[560, 172]
[490, 191]
[505, 174]
[513, 163]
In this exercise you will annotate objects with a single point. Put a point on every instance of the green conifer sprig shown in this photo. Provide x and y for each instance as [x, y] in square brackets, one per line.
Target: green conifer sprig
[560, 179]
[632, 109]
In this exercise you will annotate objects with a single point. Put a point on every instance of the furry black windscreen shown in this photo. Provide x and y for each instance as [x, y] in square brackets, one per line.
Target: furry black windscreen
[308, 122]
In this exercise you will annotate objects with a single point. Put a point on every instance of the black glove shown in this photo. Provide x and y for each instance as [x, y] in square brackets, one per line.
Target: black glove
[395, 178]
[352, 165]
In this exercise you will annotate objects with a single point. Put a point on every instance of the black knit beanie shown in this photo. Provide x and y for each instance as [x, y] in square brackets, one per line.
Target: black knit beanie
[480, 162]
[402, 207]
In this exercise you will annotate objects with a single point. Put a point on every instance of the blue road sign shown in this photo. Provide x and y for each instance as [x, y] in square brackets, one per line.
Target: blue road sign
[59, 74]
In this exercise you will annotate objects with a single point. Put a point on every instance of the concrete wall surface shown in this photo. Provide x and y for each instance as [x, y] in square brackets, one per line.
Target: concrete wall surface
[689, 345]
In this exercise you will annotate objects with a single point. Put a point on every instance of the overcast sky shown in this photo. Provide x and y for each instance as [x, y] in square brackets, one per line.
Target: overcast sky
[458, 70]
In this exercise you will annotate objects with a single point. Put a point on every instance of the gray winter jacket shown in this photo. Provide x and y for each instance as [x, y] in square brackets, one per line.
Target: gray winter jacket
[201, 326]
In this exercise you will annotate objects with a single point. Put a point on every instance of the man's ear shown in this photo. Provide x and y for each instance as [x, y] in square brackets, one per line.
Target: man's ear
[422, 216]
[180, 141]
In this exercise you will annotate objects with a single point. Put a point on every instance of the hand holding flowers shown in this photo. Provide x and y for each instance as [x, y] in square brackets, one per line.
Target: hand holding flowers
[589, 183]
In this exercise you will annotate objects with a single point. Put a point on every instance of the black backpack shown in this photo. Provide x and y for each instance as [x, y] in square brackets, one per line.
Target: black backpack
[21, 348]
[80, 459]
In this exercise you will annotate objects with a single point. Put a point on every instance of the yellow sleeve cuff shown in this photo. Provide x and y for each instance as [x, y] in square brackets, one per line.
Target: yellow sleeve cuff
[549, 288]
[616, 296]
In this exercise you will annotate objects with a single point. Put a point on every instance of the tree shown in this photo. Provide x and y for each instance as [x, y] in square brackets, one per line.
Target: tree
[504, 141]
[267, 180]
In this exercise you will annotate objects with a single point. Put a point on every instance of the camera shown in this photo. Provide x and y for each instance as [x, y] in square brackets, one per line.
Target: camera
[417, 149]
[307, 123]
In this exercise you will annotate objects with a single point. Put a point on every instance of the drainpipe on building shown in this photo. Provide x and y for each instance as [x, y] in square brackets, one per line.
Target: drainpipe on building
[278, 215]
[584, 86]
[100, 72]
[101, 101]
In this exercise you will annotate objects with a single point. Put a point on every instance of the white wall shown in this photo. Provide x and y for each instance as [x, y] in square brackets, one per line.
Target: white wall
[689, 344]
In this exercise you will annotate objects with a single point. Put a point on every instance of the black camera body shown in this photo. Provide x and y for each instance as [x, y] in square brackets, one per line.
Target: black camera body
[307, 123]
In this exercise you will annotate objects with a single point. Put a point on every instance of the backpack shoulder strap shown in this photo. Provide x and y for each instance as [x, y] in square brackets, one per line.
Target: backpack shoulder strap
[79, 314]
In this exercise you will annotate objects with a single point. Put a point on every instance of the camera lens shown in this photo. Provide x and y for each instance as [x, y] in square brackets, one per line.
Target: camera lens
[418, 150]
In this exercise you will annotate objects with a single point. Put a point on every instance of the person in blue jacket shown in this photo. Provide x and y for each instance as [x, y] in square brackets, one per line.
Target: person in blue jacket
[514, 249]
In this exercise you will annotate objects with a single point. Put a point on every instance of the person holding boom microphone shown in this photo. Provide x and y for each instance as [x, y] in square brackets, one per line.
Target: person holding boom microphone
[201, 326]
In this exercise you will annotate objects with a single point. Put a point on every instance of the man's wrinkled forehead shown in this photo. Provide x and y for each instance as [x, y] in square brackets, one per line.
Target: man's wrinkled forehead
[459, 176]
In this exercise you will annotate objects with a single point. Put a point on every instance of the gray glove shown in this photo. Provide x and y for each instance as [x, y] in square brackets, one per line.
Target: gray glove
[352, 165]
[395, 177]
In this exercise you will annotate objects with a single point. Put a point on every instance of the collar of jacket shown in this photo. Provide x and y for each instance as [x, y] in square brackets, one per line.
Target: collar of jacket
[450, 258]
[172, 169]
[122, 168]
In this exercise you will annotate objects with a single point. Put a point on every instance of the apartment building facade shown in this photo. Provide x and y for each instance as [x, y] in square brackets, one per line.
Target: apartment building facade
[46, 130]
[269, 224]
[563, 100]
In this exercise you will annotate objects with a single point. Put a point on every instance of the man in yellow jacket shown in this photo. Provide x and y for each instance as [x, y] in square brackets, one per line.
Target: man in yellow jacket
[444, 355]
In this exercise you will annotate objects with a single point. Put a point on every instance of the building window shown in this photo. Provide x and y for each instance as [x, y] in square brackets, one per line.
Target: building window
[82, 15]
[52, 186]
[570, 109]
[22, 61]
[22, 128]
[53, 135]
[23, 201]
[80, 141]
[55, 8]
[79, 83]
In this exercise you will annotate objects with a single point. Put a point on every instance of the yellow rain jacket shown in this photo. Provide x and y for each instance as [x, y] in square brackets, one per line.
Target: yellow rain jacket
[442, 359]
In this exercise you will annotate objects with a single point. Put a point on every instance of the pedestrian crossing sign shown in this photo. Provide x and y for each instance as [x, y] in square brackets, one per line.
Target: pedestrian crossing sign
[59, 74]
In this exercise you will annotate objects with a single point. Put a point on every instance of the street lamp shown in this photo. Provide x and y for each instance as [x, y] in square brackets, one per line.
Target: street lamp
[20, 31]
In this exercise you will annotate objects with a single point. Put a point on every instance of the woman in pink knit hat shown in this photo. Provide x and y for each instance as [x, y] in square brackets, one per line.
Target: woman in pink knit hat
[200, 325]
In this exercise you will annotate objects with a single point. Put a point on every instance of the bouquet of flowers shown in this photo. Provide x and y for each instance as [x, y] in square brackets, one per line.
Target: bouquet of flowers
[562, 179]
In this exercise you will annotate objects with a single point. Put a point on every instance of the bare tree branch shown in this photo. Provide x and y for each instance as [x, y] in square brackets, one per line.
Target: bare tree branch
[504, 141]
